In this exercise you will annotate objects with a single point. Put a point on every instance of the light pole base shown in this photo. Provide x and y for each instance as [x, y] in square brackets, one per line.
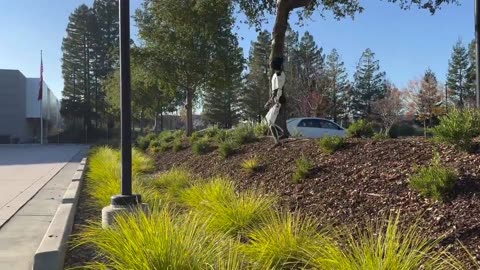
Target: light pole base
[110, 212]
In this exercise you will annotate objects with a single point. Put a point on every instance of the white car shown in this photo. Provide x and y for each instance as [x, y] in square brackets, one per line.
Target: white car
[311, 127]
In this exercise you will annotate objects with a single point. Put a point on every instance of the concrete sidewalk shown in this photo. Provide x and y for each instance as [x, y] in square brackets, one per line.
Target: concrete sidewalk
[33, 179]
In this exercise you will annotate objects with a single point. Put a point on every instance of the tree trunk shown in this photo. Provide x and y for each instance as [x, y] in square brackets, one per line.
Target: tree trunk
[189, 107]
[161, 119]
[284, 7]
[142, 121]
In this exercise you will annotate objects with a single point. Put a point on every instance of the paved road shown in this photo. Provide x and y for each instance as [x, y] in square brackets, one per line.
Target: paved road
[33, 179]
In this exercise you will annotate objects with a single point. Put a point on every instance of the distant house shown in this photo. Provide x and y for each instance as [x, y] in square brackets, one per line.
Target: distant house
[20, 109]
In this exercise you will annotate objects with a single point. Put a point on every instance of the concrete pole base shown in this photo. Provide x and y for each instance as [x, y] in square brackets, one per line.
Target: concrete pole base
[110, 212]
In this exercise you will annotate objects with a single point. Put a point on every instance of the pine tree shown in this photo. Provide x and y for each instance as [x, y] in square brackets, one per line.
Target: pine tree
[105, 51]
[88, 58]
[337, 85]
[221, 103]
[76, 67]
[256, 91]
[457, 74]
[369, 85]
[308, 93]
[470, 84]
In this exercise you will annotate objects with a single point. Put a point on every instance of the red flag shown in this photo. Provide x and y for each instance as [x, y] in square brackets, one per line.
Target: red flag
[40, 91]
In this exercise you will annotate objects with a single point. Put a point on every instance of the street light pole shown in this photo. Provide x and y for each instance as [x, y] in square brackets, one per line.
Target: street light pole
[477, 44]
[126, 198]
[126, 201]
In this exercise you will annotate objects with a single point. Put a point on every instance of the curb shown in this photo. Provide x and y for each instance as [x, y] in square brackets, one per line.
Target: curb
[50, 255]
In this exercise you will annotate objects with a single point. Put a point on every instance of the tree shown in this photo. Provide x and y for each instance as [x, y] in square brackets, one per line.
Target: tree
[92, 34]
[256, 11]
[426, 97]
[306, 71]
[389, 109]
[76, 67]
[337, 85]
[457, 74]
[471, 83]
[221, 103]
[180, 39]
[257, 86]
[149, 97]
[369, 85]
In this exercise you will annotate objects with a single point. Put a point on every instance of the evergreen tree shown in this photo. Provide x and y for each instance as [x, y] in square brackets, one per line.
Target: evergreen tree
[457, 74]
[337, 85]
[256, 91]
[369, 85]
[92, 35]
[221, 103]
[309, 91]
[76, 67]
[470, 84]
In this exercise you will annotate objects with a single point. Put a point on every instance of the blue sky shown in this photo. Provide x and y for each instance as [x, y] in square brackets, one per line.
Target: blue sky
[405, 42]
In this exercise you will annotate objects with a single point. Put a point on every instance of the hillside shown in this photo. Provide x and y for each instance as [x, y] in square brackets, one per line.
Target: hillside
[364, 181]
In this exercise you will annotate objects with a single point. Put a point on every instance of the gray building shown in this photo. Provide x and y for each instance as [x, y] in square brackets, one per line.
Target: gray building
[20, 109]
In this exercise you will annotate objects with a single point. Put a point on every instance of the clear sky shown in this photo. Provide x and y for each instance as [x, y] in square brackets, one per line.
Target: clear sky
[405, 42]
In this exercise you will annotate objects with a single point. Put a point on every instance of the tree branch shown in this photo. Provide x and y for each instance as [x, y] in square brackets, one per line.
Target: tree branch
[300, 3]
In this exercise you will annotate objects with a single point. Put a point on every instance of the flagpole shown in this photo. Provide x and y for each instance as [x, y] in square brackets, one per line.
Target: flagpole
[41, 99]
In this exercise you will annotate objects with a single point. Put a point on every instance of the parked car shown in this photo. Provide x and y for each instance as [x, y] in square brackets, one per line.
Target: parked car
[311, 127]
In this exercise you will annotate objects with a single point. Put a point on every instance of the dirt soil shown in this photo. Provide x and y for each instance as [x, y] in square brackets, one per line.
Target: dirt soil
[360, 183]
[363, 182]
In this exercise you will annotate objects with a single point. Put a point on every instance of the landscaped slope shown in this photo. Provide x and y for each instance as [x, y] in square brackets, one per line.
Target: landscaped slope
[363, 181]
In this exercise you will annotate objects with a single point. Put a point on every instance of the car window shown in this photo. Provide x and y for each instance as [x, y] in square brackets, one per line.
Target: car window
[310, 123]
[328, 125]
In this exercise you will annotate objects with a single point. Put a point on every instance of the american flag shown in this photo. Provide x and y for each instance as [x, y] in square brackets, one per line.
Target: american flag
[40, 91]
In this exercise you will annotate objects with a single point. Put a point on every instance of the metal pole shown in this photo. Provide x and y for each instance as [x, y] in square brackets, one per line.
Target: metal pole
[126, 109]
[126, 198]
[477, 42]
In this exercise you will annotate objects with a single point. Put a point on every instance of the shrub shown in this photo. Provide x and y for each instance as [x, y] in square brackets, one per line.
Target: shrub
[283, 242]
[177, 145]
[226, 149]
[227, 212]
[165, 240]
[360, 129]
[330, 144]
[251, 165]
[458, 127]
[243, 134]
[105, 173]
[212, 132]
[435, 181]
[260, 129]
[380, 136]
[144, 141]
[222, 136]
[161, 148]
[303, 169]
[201, 146]
[217, 189]
[172, 183]
[383, 245]
[195, 137]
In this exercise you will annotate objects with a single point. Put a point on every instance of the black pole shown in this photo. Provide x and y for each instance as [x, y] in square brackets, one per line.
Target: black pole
[127, 198]
[477, 42]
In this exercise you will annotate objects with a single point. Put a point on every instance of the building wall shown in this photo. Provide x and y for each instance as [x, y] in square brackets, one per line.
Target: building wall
[13, 121]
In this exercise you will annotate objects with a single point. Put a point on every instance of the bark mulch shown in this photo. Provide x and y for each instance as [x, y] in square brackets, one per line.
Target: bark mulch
[365, 181]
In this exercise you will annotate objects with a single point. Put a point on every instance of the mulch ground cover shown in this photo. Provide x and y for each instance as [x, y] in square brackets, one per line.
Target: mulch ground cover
[365, 181]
